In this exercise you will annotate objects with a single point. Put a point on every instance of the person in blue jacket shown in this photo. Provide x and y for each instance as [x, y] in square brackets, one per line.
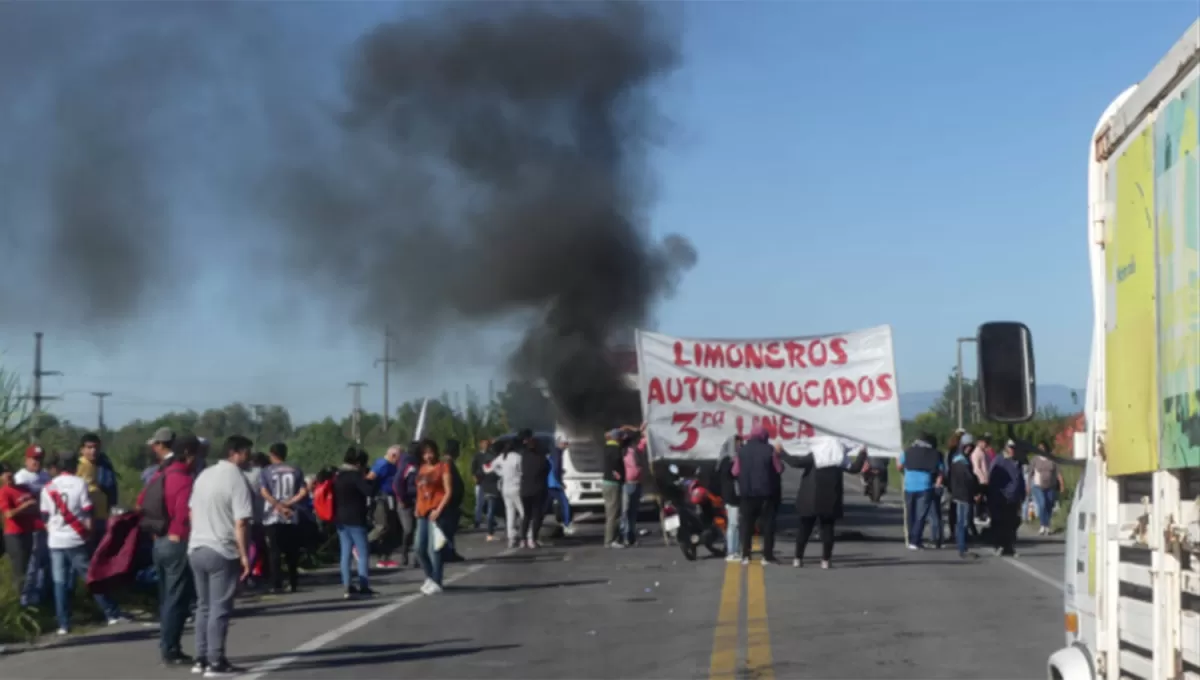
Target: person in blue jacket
[556, 491]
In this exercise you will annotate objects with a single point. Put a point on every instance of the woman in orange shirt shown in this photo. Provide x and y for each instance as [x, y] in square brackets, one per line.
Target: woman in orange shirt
[433, 493]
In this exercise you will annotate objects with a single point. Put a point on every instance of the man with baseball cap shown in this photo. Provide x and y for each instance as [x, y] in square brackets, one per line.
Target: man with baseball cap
[34, 477]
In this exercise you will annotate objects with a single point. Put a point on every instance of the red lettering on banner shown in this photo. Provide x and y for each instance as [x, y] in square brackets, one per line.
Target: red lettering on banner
[754, 358]
[654, 392]
[866, 389]
[735, 356]
[838, 347]
[675, 395]
[772, 356]
[795, 352]
[679, 360]
[691, 435]
[839, 391]
[818, 354]
[885, 386]
[830, 392]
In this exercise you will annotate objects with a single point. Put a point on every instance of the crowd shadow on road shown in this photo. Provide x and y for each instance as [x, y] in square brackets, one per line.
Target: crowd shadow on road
[130, 634]
[380, 655]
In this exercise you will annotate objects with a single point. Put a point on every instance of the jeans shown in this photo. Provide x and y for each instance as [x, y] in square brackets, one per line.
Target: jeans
[732, 543]
[429, 557]
[631, 503]
[920, 507]
[67, 565]
[962, 517]
[1045, 499]
[353, 537]
[387, 532]
[479, 503]
[216, 584]
[283, 547]
[485, 509]
[557, 495]
[175, 588]
[408, 531]
[99, 528]
[38, 584]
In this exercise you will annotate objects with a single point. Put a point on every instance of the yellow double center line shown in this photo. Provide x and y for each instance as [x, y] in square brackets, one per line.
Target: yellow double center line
[726, 638]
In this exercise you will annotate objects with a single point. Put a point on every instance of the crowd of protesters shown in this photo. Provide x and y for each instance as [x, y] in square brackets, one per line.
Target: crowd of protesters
[984, 486]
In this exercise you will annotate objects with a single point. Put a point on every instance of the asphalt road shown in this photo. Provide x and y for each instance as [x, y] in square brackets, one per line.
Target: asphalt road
[574, 609]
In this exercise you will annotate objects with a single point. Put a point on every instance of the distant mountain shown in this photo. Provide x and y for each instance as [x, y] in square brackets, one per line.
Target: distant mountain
[1058, 396]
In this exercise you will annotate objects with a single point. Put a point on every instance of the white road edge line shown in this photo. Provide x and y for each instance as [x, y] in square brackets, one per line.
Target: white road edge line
[1048, 580]
[279, 663]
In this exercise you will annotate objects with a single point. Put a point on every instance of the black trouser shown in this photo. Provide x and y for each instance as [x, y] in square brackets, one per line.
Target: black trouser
[531, 521]
[387, 532]
[807, 524]
[1006, 518]
[19, 548]
[754, 509]
[283, 544]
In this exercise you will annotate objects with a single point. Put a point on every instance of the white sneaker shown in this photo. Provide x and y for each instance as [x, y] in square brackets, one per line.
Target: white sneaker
[569, 530]
[426, 585]
[616, 544]
[766, 562]
[745, 561]
[732, 558]
[119, 619]
[797, 563]
[63, 631]
[434, 589]
[913, 547]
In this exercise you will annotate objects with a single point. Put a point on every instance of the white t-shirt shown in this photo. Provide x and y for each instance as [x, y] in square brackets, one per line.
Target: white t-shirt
[34, 481]
[220, 497]
[73, 492]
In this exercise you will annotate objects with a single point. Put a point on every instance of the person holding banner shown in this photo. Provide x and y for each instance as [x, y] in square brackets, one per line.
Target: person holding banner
[757, 467]
[821, 494]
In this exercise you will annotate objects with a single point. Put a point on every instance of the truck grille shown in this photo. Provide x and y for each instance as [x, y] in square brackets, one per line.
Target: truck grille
[586, 457]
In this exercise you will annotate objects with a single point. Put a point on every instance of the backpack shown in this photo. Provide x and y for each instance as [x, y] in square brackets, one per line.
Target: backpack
[155, 519]
[323, 500]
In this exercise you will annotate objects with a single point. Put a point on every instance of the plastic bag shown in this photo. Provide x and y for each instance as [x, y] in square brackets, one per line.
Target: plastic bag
[439, 537]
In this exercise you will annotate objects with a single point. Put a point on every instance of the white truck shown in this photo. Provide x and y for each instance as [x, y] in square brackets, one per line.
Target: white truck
[1132, 572]
[583, 459]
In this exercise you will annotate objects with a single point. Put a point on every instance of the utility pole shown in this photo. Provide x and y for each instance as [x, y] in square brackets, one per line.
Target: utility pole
[960, 379]
[356, 414]
[386, 362]
[38, 397]
[259, 410]
[100, 410]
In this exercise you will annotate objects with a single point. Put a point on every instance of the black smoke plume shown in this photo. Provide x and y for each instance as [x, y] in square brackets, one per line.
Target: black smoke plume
[487, 164]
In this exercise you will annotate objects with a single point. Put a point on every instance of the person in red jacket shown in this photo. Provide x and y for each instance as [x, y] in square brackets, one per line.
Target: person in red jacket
[175, 581]
[22, 522]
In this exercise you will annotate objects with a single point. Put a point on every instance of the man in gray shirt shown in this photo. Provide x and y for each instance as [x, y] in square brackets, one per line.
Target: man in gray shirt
[222, 507]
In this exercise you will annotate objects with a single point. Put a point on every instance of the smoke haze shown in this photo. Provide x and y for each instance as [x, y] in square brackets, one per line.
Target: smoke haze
[483, 163]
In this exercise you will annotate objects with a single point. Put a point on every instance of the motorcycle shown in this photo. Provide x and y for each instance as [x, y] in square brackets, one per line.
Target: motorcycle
[694, 516]
[874, 484]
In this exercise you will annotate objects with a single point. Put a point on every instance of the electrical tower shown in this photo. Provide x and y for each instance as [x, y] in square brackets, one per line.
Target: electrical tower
[100, 410]
[386, 362]
[356, 414]
[36, 417]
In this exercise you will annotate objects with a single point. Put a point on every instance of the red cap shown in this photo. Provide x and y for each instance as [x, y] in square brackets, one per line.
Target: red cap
[34, 451]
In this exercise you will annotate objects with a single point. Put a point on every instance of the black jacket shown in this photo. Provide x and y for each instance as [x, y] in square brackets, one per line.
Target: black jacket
[757, 477]
[534, 469]
[727, 483]
[614, 463]
[489, 482]
[458, 491]
[822, 490]
[964, 485]
[352, 493]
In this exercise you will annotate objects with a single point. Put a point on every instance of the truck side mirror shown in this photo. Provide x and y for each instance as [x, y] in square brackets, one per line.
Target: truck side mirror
[1006, 383]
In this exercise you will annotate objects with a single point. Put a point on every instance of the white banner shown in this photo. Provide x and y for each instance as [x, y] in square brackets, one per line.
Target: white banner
[696, 394]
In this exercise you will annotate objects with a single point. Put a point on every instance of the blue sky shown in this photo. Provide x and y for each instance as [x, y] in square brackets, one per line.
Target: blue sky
[837, 166]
